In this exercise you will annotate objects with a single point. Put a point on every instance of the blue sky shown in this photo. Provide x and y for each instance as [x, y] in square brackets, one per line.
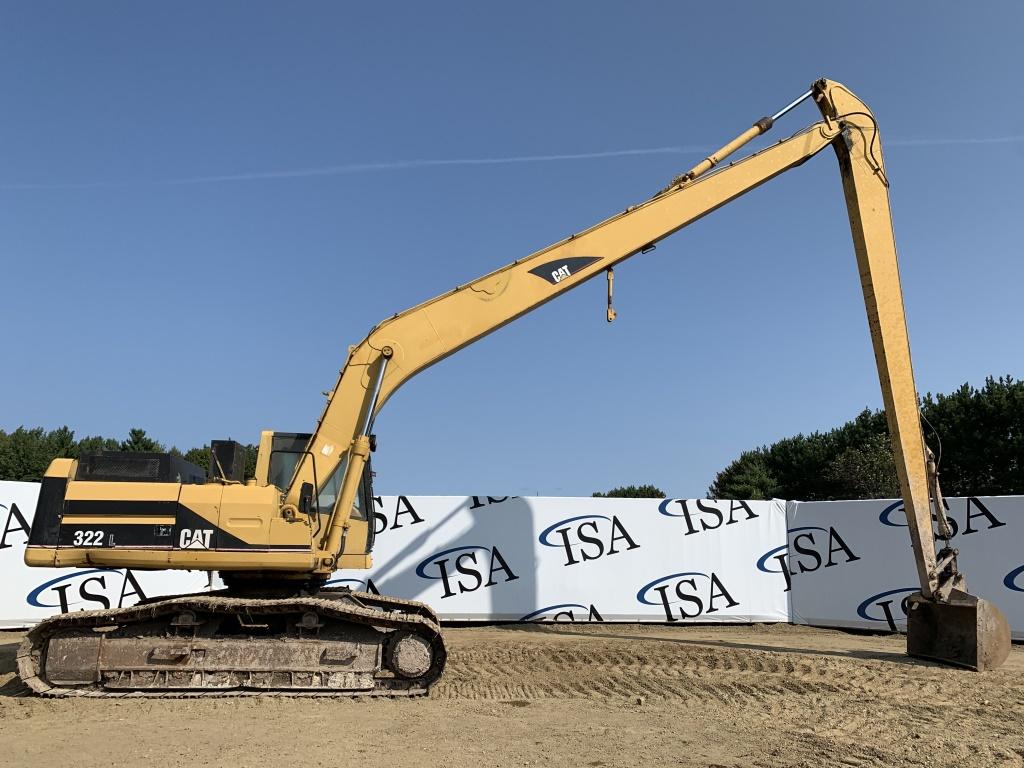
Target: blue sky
[202, 206]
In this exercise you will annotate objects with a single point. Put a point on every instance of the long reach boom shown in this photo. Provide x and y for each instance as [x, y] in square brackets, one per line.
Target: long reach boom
[405, 344]
[276, 539]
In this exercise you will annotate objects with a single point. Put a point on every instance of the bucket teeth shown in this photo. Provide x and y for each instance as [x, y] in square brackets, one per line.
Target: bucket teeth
[965, 631]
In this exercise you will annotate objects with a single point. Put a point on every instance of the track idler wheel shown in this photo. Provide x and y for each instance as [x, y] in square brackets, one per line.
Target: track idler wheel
[408, 654]
[966, 631]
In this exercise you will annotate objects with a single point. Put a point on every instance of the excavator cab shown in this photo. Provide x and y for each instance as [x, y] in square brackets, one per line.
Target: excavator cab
[279, 455]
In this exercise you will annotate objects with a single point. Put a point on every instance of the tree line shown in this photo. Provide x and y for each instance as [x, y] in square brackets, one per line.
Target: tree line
[631, 492]
[26, 453]
[977, 433]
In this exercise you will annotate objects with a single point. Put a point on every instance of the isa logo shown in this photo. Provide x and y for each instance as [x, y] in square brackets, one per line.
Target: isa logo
[807, 549]
[975, 512]
[687, 595]
[701, 515]
[88, 590]
[565, 612]
[588, 537]
[14, 523]
[403, 514]
[466, 569]
[888, 607]
[1013, 580]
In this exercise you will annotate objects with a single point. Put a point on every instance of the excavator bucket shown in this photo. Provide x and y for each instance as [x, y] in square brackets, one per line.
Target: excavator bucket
[965, 631]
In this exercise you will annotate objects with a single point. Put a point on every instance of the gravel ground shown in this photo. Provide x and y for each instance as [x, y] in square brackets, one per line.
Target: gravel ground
[571, 695]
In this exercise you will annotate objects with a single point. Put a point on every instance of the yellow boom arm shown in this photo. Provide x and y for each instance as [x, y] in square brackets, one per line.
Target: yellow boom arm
[410, 341]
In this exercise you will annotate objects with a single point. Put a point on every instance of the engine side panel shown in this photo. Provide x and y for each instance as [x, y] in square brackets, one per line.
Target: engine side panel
[157, 525]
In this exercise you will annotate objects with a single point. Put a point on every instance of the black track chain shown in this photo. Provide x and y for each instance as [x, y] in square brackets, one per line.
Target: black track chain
[419, 619]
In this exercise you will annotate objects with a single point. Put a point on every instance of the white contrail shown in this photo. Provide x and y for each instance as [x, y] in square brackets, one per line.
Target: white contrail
[341, 170]
[398, 165]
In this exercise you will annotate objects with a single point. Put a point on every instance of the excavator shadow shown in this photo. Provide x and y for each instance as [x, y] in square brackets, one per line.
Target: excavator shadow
[8, 666]
[862, 655]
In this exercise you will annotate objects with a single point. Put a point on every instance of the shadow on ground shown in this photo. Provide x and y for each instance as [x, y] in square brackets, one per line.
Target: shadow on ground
[8, 666]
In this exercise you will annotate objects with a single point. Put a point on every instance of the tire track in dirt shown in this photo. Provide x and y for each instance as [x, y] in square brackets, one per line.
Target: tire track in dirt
[857, 708]
[773, 697]
[602, 668]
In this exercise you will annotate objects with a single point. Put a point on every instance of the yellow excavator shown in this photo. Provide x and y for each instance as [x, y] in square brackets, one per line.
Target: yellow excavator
[276, 539]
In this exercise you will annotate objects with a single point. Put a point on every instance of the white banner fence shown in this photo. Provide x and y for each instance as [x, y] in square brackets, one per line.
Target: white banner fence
[851, 565]
[480, 558]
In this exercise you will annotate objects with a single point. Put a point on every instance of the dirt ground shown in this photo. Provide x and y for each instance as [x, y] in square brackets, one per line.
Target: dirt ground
[571, 695]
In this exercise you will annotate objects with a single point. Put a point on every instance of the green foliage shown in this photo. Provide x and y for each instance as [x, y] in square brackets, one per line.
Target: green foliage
[199, 456]
[633, 492]
[251, 452]
[982, 432]
[982, 435]
[865, 471]
[749, 478]
[139, 441]
[982, 453]
[26, 453]
[96, 445]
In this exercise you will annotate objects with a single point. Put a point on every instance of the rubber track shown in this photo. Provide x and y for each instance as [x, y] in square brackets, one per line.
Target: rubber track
[418, 617]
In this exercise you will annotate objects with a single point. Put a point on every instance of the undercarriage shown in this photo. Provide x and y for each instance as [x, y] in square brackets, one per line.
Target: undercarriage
[333, 643]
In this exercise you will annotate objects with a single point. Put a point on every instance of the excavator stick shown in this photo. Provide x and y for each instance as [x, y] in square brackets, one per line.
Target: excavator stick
[945, 623]
[966, 631]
